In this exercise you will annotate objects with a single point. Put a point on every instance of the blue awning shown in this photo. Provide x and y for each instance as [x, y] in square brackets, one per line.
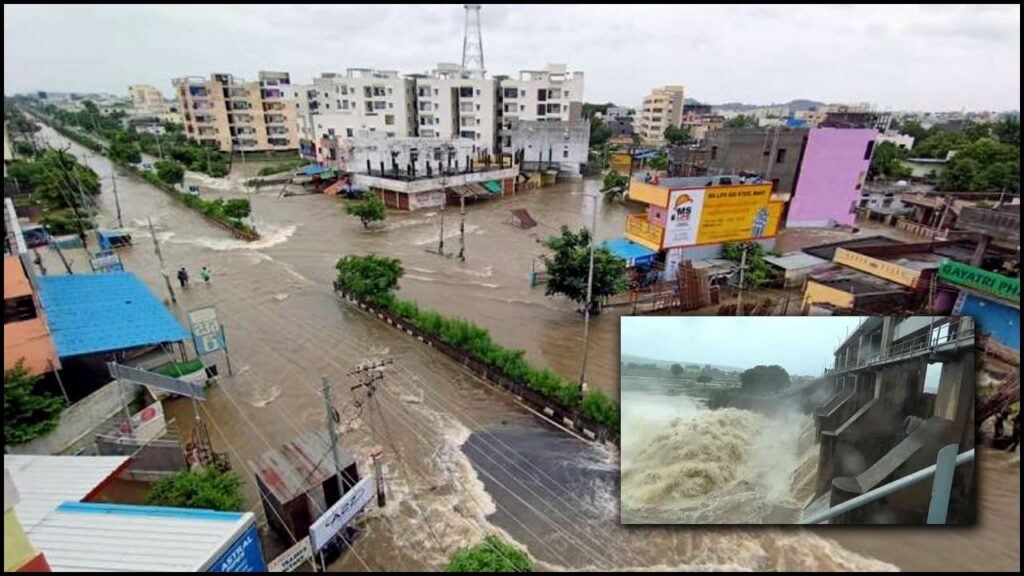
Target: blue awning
[313, 170]
[633, 253]
[93, 313]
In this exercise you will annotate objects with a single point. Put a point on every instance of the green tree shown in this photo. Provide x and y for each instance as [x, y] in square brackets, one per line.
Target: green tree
[677, 370]
[123, 151]
[764, 379]
[718, 399]
[1007, 130]
[491, 555]
[237, 208]
[704, 379]
[370, 209]
[758, 272]
[677, 135]
[659, 162]
[912, 127]
[28, 412]
[614, 185]
[170, 171]
[372, 277]
[568, 268]
[207, 489]
[600, 132]
[886, 162]
[55, 179]
[741, 121]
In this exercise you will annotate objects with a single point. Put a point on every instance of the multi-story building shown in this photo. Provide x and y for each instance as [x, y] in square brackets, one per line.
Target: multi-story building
[147, 100]
[549, 95]
[364, 102]
[305, 110]
[238, 115]
[452, 103]
[662, 108]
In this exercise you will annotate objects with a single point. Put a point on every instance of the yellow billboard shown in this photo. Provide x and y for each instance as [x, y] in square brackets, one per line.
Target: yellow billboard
[621, 162]
[880, 268]
[734, 213]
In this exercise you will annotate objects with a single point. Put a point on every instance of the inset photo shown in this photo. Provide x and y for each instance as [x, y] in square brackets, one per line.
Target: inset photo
[798, 420]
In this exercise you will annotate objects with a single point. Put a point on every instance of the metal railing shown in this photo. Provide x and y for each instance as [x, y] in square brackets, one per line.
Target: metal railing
[938, 508]
[957, 331]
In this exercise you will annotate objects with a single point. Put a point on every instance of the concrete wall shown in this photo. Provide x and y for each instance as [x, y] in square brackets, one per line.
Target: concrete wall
[736, 150]
[79, 421]
[567, 143]
[832, 173]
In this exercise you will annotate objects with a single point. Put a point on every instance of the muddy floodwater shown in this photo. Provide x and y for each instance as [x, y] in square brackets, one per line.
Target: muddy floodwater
[461, 460]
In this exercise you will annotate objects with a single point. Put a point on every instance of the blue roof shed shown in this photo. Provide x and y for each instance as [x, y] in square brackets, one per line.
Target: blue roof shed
[633, 253]
[94, 313]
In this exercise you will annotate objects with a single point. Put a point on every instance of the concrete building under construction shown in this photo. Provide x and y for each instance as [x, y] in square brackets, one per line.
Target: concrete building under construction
[903, 389]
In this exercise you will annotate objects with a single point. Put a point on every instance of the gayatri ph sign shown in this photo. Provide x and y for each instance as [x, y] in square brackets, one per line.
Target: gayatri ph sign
[981, 280]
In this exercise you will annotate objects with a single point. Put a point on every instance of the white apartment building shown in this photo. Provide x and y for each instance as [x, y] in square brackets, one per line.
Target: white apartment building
[662, 108]
[549, 95]
[363, 102]
[451, 103]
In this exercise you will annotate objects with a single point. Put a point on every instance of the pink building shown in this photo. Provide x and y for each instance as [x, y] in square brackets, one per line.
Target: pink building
[832, 173]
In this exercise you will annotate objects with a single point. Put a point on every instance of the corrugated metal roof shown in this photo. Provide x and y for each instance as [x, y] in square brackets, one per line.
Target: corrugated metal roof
[94, 537]
[91, 313]
[297, 466]
[45, 482]
[628, 250]
[795, 261]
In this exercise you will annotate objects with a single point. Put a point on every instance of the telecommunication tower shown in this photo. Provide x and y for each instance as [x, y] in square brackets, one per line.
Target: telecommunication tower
[473, 42]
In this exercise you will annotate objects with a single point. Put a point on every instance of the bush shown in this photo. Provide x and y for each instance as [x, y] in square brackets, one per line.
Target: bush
[375, 278]
[170, 171]
[208, 489]
[368, 210]
[28, 412]
[491, 555]
[282, 167]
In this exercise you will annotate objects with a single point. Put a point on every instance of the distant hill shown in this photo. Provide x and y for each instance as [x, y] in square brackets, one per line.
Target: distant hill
[793, 105]
[627, 358]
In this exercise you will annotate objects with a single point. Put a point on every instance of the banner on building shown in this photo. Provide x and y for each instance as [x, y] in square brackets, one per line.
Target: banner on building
[980, 280]
[880, 268]
[683, 222]
[206, 331]
[243, 555]
[341, 513]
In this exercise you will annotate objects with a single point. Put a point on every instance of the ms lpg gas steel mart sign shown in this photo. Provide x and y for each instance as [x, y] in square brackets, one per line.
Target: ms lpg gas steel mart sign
[343, 511]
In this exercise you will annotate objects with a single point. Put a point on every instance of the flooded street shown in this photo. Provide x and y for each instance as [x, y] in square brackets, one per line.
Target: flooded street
[461, 460]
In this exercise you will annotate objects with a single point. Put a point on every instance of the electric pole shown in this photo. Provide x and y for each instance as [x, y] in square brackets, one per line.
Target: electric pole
[739, 294]
[331, 417]
[160, 257]
[590, 293]
[117, 200]
[462, 227]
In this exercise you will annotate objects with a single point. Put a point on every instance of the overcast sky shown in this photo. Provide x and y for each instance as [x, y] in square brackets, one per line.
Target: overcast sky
[897, 57]
[800, 344]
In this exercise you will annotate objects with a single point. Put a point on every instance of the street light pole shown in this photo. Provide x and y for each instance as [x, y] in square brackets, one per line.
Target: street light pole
[590, 294]
[117, 200]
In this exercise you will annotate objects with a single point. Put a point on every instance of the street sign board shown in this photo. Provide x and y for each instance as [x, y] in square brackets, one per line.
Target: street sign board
[158, 381]
[206, 331]
[343, 511]
[292, 558]
[106, 262]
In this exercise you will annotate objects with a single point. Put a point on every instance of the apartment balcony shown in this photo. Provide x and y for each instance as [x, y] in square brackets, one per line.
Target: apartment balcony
[271, 93]
[277, 131]
[202, 105]
[644, 232]
[208, 132]
[198, 91]
[236, 93]
[244, 143]
[273, 106]
[279, 141]
[205, 119]
[241, 118]
[274, 119]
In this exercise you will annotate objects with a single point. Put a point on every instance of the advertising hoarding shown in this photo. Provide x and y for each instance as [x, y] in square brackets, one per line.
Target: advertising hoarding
[880, 268]
[721, 214]
[981, 280]
[293, 557]
[684, 210]
[206, 332]
[341, 513]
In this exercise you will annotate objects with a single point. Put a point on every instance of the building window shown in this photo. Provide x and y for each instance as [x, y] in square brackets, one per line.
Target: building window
[389, 120]
[714, 152]
[869, 150]
[565, 152]
[775, 184]
[780, 156]
[510, 92]
[348, 132]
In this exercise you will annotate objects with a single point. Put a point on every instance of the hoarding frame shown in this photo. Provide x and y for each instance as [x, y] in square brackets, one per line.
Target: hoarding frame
[338, 516]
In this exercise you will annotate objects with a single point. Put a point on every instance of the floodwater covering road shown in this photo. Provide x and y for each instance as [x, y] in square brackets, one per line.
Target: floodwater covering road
[461, 460]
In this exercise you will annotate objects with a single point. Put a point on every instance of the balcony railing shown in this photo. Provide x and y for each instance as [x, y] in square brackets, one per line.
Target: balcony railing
[640, 230]
[952, 334]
